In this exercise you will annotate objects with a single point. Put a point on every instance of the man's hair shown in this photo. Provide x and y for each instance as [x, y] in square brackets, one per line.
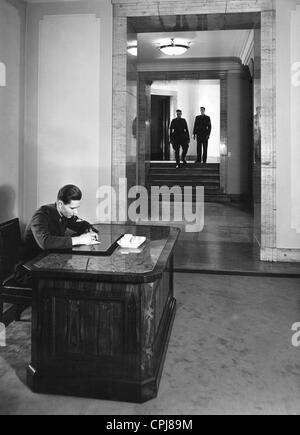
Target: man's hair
[69, 193]
[202, 108]
[178, 111]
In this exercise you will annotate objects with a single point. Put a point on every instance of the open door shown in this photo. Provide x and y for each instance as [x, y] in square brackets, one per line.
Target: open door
[160, 124]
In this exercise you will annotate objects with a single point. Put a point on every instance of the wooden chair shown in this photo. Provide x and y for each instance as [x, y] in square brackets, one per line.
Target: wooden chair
[11, 292]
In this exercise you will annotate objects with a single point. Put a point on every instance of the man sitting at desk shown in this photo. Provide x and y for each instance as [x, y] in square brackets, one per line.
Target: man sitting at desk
[47, 229]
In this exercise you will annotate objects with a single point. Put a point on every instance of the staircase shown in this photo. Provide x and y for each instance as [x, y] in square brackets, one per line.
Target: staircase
[166, 174]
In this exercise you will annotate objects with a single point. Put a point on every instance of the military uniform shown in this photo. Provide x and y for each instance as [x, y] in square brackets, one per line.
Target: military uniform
[202, 130]
[180, 138]
[47, 231]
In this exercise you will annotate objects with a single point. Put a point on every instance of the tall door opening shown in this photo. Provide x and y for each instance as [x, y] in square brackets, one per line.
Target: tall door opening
[207, 20]
[189, 95]
[160, 123]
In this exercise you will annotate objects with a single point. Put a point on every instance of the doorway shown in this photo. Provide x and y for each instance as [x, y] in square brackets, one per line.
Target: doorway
[189, 95]
[160, 124]
[259, 16]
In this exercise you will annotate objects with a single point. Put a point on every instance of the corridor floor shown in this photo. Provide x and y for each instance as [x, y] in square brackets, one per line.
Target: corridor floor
[225, 245]
[230, 352]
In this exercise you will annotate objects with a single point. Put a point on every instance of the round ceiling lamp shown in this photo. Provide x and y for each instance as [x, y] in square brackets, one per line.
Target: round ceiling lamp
[174, 48]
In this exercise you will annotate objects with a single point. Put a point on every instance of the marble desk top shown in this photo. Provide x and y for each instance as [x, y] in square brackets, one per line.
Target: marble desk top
[144, 265]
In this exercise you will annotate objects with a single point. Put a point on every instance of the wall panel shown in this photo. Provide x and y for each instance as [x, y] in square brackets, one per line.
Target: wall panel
[68, 112]
[68, 107]
[295, 125]
[11, 108]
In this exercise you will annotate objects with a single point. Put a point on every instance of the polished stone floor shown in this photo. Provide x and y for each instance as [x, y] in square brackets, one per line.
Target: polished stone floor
[225, 245]
[230, 352]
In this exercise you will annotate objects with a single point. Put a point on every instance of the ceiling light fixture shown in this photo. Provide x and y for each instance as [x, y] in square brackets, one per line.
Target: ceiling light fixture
[174, 49]
[133, 50]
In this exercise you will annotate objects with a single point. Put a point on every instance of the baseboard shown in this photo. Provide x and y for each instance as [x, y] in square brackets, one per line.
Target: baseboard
[288, 255]
[268, 254]
[281, 255]
[249, 273]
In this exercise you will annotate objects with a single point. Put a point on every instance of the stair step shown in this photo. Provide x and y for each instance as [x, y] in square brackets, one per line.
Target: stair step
[189, 165]
[179, 173]
[184, 171]
[181, 176]
[170, 184]
[183, 184]
[207, 198]
[191, 175]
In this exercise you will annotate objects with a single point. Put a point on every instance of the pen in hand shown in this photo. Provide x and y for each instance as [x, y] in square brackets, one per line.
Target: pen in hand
[94, 229]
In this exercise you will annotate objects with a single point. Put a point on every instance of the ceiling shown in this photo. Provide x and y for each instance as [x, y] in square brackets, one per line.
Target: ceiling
[204, 44]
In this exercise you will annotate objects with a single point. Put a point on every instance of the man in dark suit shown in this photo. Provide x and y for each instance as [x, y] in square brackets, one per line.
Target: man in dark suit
[180, 137]
[202, 130]
[47, 229]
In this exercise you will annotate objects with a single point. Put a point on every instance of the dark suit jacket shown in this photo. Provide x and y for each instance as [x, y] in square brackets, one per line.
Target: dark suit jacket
[202, 126]
[47, 231]
[179, 132]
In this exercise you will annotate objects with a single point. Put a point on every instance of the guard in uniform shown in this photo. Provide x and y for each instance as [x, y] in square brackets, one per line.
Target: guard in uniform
[180, 137]
[202, 130]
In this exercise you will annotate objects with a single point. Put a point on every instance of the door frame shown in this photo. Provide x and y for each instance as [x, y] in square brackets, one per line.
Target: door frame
[229, 15]
[145, 79]
[165, 127]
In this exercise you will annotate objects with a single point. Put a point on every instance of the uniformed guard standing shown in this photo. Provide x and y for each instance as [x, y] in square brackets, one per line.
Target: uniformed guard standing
[202, 130]
[180, 137]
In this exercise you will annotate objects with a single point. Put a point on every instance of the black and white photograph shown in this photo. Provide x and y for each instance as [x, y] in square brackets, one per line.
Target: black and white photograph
[150, 210]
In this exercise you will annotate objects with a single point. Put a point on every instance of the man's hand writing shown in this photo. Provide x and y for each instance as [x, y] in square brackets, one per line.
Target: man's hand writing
[85, 239]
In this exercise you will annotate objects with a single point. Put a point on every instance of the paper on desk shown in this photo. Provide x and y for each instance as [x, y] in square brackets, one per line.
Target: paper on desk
[95, 242]
[129, 241]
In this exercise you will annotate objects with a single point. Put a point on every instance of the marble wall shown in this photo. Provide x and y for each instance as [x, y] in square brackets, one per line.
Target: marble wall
[287, 129]
[131, 114]
[239, 134]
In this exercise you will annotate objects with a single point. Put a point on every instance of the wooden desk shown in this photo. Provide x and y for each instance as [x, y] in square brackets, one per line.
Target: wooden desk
[101, 325]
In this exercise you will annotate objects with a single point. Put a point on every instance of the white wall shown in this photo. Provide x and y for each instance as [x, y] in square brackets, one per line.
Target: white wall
[68, 107]
[288, 181]
[11, 38]
[295, 124]
[191, 95]
[68, 101]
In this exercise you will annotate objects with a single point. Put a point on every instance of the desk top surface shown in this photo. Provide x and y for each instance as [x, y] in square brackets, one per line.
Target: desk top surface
[144, 265]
